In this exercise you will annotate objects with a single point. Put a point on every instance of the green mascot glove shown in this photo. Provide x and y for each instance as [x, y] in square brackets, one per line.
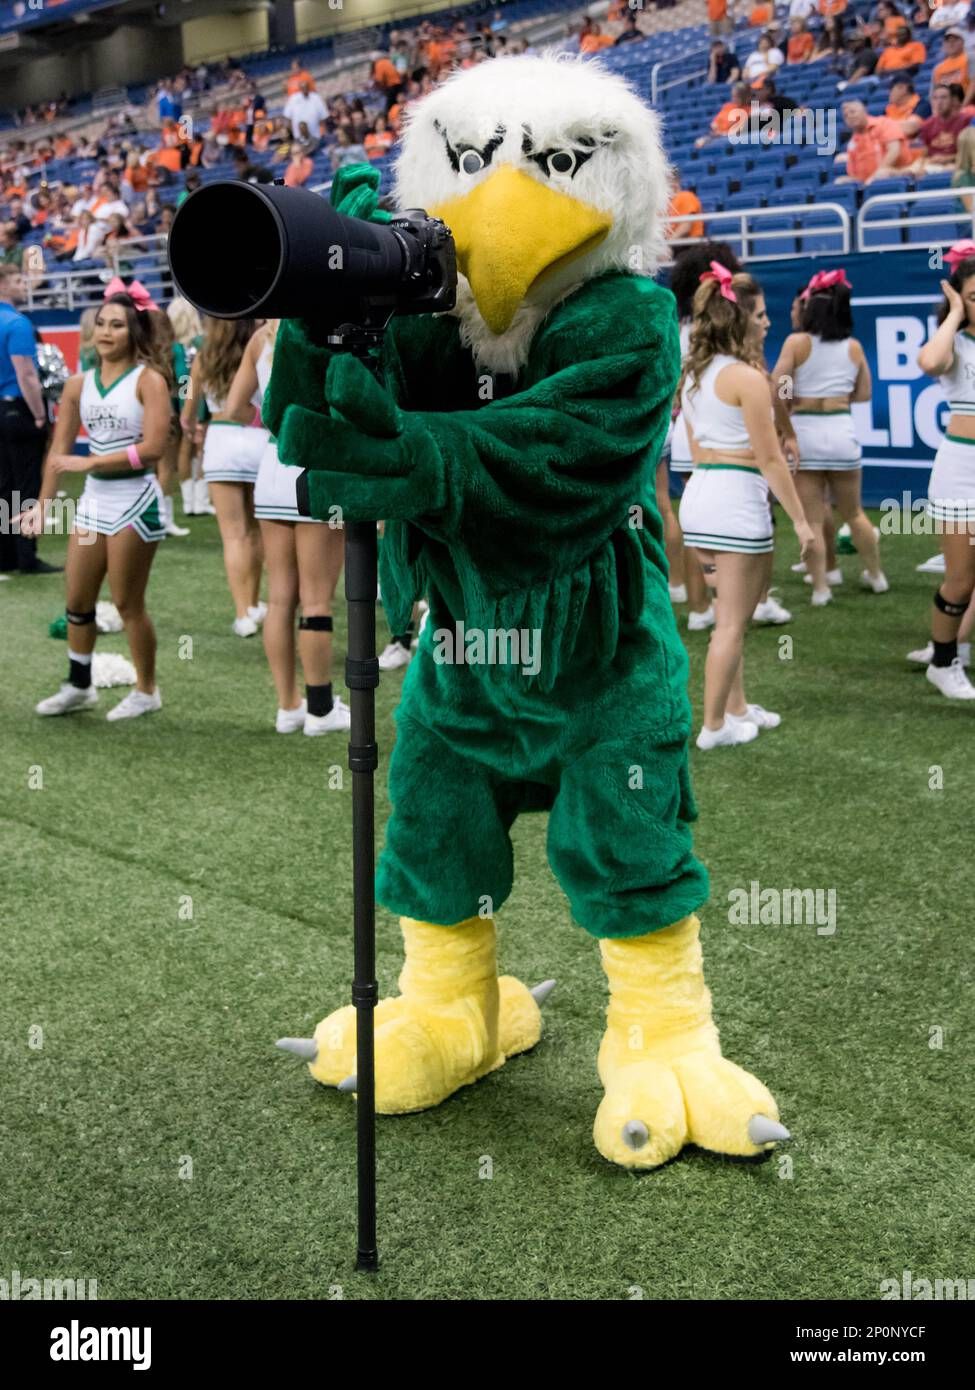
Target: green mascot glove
[355, 193]
[366, 457]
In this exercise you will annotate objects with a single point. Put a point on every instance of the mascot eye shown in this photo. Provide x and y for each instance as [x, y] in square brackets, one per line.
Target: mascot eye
[471, 162]
[562, 162]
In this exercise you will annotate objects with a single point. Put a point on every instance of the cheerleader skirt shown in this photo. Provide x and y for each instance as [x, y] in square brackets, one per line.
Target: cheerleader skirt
[109, 503]
[827, 441]
[725, 506]
[232, 453]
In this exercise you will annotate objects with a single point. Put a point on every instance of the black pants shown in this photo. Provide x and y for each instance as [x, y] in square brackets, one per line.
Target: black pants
[22, 447]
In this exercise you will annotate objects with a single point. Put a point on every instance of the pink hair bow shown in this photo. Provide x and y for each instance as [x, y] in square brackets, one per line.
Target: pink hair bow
[137, 292]
[723, 275]
[825, 280]
[961, 251]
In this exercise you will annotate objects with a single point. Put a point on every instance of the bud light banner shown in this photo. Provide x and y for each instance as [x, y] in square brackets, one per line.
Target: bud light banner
[895, 299]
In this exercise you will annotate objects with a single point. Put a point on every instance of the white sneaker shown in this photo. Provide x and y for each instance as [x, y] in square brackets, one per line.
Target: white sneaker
[289, 721]
[338, 718]
[833, 578]
[245, 627]
[936, 565]
[771, 611]
[678, 593]
[877, 582]
[187, 490]
[134, 704]
[699, 622]
[759, 716]
[68, 699]
[393, 656]
[258, 611]
[800, 567]
[925, 655]
[730, 733]
[204, 507]
[820, 597]
[951, 681]
[169, 525]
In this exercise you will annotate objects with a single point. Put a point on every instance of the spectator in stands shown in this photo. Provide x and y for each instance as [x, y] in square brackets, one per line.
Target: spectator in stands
[770, 99]
[948, 15]
[954, 65]
[802, 9]
[887, 17]
[17, 217]
[255, 109]
[379, 140]
[193, 182]
[939, 133]
[858, 62]
[387, 79]
[902, 53]
[831, 44]
[305, 107]
[733, 116]
[829, 9]
[249, 172]
[168, 102]
[723, 66]
[299, 168]
[905, 101]
[298, 78]
[801, 43]
[91, 234]
[718, 17]
[877, 148]
[591, 42]
[11, 250]
[84, 201]
[631, 30]
[344, 152]
[964, 175]
[762, 62]
[684, 204]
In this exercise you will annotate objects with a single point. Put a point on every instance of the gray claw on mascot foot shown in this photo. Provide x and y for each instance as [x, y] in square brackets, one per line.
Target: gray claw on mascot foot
[541, 992]
[762, 1130]
[635, 1134]
[349, 1084]
[301, 1047]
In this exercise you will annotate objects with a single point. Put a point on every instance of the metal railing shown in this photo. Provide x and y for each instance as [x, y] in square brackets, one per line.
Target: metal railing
[914, 220]
[751, 239]
[74, 289]
[659, 82]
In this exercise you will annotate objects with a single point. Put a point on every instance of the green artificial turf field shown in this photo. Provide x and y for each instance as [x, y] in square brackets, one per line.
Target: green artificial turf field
[156, 1141]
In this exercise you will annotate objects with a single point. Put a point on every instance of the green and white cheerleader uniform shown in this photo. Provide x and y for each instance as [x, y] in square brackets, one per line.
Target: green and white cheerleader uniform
[679, 445]
[231, 452]
[951, 487]
[113, 417]
[275, 498]
[725, 505]
[827, 440]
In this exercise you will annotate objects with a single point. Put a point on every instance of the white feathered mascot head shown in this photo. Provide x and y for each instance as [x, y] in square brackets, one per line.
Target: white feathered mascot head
[548, 172]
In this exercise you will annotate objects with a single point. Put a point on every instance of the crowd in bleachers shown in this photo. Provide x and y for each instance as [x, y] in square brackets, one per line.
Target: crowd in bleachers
[898, 83]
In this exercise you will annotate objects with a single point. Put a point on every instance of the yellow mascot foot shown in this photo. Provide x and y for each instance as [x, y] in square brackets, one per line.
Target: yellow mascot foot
[453, 1022]
[666, 1082]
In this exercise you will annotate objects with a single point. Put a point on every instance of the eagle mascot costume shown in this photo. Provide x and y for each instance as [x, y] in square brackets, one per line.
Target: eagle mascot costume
[510, 445]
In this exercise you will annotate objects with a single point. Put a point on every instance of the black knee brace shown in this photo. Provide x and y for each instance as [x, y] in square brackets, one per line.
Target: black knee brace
[953, 610]
[318, 622]
[79, 619]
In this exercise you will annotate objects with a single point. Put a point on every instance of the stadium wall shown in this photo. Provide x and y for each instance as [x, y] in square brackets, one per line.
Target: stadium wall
[218, 35]
[129, 55]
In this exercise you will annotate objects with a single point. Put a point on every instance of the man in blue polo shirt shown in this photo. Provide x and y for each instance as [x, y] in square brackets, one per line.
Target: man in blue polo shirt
[23, 425]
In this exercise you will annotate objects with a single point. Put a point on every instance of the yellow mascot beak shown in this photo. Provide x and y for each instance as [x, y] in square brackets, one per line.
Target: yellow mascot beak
[509, 231]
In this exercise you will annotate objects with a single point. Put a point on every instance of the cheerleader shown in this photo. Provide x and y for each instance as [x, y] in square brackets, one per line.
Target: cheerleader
[304, 561]
[231, 456]
[827, 370]
[725, 512]
[124, 405]
[188, 339]
[167, 468]
[949, 355]
[685, 567]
